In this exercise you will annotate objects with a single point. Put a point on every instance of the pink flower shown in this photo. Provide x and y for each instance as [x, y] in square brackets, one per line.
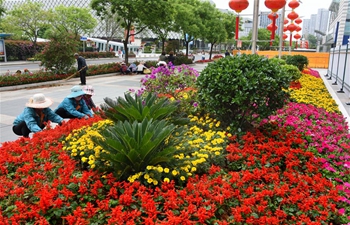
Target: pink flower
[342, 211]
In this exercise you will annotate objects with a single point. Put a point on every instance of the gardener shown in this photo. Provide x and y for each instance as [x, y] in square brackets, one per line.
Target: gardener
[82, 67]
[74, 106]
[35, 116]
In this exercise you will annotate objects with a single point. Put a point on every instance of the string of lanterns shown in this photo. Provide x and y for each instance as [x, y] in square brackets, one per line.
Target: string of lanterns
[274, 5]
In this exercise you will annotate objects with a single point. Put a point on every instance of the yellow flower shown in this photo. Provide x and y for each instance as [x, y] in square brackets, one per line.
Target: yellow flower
[182, 178]
[174, 172]
[166, 170]
[166, 180]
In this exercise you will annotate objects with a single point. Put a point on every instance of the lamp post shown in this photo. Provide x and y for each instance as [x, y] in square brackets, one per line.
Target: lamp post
[346, 57]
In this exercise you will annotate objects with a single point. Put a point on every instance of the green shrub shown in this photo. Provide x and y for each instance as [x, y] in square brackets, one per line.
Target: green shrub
[243, 90]
[179, 60]
[293, 71]
[59, 53]
[299, 61]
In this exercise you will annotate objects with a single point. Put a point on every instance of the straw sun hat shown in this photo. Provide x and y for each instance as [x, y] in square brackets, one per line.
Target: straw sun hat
[39, 101]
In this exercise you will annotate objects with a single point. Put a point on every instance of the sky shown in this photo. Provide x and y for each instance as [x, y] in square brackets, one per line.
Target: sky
[305, 9]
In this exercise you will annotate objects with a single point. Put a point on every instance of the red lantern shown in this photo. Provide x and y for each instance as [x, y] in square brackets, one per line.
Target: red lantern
[238, 5]
[293, 15]
[271, 28]
[293, 4]
[272, 15]
[298, 29]
[285, 21]
[298, 21]
[292, 27]
[285, 28]
[285, 36]
[275, 5]
[297, 36]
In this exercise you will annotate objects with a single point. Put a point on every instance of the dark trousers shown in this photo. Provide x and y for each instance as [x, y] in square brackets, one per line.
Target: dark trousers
[64, 114]
[22, 129]
[83, 77]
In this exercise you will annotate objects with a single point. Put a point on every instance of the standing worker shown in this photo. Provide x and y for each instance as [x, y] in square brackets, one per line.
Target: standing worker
[82, 67]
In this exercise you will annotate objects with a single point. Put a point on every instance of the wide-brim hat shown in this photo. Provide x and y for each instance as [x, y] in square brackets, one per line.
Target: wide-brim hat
[75, 92]
[39, 101]
[89, 90]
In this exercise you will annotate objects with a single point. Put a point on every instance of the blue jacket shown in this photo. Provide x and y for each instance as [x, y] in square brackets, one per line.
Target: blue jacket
[69, 104]
[32, 120]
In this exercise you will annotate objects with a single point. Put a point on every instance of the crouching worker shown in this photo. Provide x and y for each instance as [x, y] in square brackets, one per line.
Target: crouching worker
[35, 116]
[74, 106]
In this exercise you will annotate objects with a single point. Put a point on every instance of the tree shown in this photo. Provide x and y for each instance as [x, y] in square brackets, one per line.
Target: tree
[2, 9]
[214, 29]
[59, 52]
[25, 20]
[72, 20]
[312, 41]
[111, 25]
[188, 20]
[135, 14]
[162, 21]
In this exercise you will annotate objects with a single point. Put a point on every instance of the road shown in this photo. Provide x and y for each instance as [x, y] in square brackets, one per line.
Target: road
[12, 67]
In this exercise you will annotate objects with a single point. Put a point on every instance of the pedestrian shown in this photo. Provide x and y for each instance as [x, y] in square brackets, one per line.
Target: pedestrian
[18, 72]
[74, 106]
[239, 52]
[82, 67]
[133, 68]
[203, 55]
[89, 92]
[140, 68]
[27, 72]
[124, 69]
[162, 57]
[35, 116]
[227, 53]
[171, 58]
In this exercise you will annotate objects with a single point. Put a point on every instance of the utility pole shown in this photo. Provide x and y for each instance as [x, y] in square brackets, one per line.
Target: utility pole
[280, 45]
[255, 25]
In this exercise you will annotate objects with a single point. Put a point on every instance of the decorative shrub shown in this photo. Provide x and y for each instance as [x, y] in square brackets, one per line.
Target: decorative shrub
[244, 89]
[299, 61]
[176, 83]
[59, 53]
[293, 71]
[179, 60]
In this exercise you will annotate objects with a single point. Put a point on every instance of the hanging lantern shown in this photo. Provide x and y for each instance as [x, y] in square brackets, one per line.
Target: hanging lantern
[292, 27]
[297, 36]
[298, 21]
[293, 4]
[298, 29]
[285, 21]
[238, 6]
[285, 36]
[275, 5]
[272, 15]
[285, 28]
[292, 15]
[271, 28]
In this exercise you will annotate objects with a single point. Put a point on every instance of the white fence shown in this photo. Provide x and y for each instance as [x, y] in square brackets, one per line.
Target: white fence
[339, 68]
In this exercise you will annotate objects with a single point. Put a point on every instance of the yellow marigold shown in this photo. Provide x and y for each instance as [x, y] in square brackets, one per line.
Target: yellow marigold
[166, 170]
[182, 178]
[167, 180]
[174, 172]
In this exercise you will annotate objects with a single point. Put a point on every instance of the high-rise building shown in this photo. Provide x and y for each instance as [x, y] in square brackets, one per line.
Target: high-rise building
[321, 22]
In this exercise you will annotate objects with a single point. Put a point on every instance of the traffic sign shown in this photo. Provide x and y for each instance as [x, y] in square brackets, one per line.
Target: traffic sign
[82, 38]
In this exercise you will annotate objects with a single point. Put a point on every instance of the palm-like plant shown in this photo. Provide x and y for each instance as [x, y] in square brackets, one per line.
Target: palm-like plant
[138, 108]
[130, 147]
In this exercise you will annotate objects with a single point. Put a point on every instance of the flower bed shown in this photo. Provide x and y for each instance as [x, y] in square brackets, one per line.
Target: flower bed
[293, 169]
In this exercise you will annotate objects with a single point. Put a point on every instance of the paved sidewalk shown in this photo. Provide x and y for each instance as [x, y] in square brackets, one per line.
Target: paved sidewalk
[13, 99]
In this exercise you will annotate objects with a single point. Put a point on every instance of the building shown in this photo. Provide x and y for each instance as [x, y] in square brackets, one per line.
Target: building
[338, 32]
